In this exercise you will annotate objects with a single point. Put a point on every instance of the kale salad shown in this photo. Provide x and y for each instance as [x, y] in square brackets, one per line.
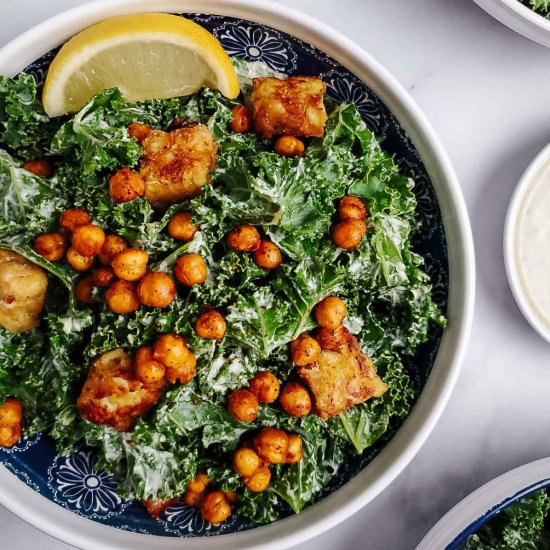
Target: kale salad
[521, 526]
[230, 345]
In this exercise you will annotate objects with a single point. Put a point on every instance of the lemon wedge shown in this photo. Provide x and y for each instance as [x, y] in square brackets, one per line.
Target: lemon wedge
[147, 56]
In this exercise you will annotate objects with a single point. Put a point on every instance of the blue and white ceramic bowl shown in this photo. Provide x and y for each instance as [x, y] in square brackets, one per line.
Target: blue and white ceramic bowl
[61, 495]
[453, 530]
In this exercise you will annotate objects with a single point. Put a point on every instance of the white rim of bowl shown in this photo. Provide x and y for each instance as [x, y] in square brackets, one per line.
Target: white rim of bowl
[483, 503]
[525, 21]
[527, 180]
[81, 532]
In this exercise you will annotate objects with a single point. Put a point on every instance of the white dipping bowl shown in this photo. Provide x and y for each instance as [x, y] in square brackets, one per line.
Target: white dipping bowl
[83, 533]
[514, 270]
[519, 18]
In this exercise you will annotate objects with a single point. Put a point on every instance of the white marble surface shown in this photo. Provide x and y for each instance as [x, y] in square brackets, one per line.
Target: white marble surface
[486, 92]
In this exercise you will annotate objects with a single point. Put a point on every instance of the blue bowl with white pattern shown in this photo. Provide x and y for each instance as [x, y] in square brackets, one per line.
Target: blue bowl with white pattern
[71, 492]
[478, 508]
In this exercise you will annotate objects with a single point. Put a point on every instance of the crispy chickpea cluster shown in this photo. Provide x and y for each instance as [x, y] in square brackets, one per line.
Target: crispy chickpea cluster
[171, 350]
[270, 446]
[245, 238]
[168, 360]
[348, 232]
[11, 416]
[214, 505]
[243, 404]
[122, 270]
[329, 314]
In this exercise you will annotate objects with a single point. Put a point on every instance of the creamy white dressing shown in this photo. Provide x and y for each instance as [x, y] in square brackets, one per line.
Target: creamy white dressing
[532, 245]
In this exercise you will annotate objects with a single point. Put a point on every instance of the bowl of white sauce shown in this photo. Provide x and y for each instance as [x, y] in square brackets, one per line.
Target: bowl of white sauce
[527, 243]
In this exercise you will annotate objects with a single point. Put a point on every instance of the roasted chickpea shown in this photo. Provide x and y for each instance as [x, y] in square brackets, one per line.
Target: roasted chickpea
[268, 256]
[244, 238]
[148, 370]
[215, 508]
[199, 484]
[112, 246]
[348, 233]
[181, 228]
[156, 290]
[77, 261]
[139, 131]
[126, 185]
[304, 350]
[191, 270]
[271, 444]
[171, 350]
[330, 312]
[39, 167]
[130, 264]
[245, 462]
[121, 297]
[10, 435]
[241, 120]
[11, 412]
[294, 453]
[259, 480]
[51, 246]
[72, 218]
[295, 400]
[265, 386]
[289, 146]
[193, 499]
[243, 405]
[103, 276]
[83, 290]
[332, 340]
[88, 239]
[211, 325]
[351, 208]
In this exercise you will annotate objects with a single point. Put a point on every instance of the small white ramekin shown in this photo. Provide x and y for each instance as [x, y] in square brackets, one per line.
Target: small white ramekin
[526, 183]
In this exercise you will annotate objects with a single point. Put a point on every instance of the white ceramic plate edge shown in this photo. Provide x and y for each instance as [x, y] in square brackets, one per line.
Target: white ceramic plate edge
[510, 225]
[75, 530]
[526, 478]
[519, 18]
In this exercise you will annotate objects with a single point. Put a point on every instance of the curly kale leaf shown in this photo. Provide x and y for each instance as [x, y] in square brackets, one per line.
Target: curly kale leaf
[304, 285]
[43, 373]
[29, 204]
[364, 424]
[259, 322]
[24, 126]
[97, 135]
[300, 483]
